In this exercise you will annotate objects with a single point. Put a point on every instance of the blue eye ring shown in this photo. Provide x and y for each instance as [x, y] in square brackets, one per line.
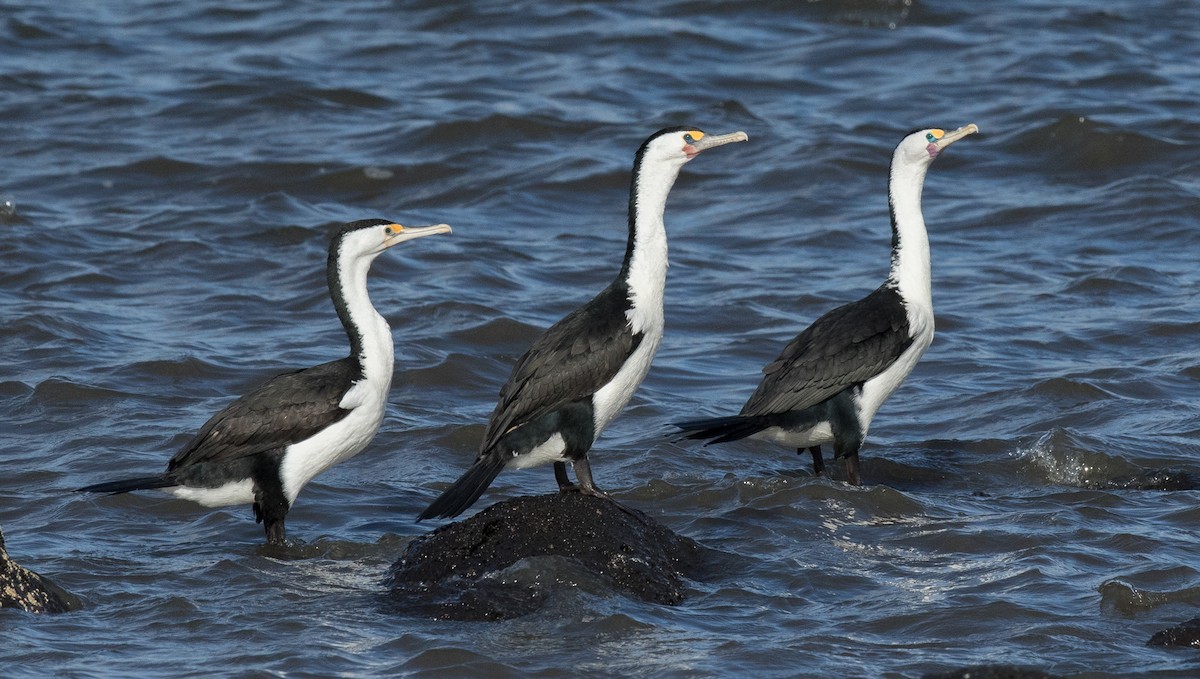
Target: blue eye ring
[930, 137]
[688, 138]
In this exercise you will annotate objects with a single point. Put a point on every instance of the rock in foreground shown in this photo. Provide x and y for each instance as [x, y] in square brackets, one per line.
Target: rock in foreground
[1185, 634]
[22, 588]
[452, 572]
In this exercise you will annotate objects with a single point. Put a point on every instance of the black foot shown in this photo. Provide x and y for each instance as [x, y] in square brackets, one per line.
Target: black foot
[818, 461]
[269, 509]
[276, 534]
[583, 472]
[852, 475]
[560, 475]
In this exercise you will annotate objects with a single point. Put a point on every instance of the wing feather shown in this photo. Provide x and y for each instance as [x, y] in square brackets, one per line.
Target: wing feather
[846, 346]
[286, 409]
[573, 359]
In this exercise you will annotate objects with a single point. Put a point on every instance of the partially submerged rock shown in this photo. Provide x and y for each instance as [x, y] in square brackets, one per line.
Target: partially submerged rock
[1154, 479]
[22, 588]
[1185, 634]
[458, 571]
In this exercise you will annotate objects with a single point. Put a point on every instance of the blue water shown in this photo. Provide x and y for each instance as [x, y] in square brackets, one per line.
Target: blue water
[171, 175]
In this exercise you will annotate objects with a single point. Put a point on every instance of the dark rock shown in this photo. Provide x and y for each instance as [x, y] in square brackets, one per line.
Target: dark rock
[1153, 479]
[1186, 634]
[22, 588]
[992, 672]
[457, 571]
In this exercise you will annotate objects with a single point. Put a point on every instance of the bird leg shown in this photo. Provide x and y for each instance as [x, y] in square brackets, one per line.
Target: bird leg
[270, 515]
[583, 472]
[818, 461]
[276, 533]
[560, 475]
[852, 476]
[270, 506]
[847, 449]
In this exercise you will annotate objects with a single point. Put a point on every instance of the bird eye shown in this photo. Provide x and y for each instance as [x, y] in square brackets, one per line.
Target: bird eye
[930, 137]
[688, 138]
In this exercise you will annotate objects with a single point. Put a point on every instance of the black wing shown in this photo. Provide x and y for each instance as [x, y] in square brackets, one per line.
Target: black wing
[573, 359]
[288, 408]
[846, 346]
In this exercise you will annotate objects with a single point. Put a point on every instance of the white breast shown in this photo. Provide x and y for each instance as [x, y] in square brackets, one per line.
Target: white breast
[877, 389]
[344, 439]
[612, 397]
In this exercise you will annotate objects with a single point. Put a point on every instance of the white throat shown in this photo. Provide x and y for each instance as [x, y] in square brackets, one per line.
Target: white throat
[375, 353]
[910, 258]
[647, 274]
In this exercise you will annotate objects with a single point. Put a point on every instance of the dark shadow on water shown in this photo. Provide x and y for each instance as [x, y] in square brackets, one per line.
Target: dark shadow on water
[332, 549]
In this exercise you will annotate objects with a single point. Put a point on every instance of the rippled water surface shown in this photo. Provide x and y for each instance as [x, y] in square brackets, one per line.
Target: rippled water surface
[172, 172]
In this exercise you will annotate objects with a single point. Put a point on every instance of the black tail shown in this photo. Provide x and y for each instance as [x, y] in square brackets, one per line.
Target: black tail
[466, 490]
[126, 485]
[722, 429]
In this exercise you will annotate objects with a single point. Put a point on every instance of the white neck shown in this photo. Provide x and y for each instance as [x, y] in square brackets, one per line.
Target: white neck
[646, 266]
[374, 346]
[910, 254]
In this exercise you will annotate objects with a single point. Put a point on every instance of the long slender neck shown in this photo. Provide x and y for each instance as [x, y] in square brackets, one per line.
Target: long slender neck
[644, 269]
[369, 334]
[910, 242]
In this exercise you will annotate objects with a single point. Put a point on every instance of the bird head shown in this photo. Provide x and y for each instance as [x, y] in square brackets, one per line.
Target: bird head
[922, 146]
[369, 237]
[677, 145]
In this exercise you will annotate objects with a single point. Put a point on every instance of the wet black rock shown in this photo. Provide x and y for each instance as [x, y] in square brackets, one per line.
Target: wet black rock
[465, 570]
[22, 588]
[993, 672]
[1186, 634]
[1154, 479]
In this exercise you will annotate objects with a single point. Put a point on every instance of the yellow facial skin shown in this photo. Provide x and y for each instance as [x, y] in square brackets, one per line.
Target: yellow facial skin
[696, 141]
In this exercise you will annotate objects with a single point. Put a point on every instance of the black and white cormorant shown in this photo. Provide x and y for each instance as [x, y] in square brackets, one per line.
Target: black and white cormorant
[828, 383]
[583, 370]
[265, 446]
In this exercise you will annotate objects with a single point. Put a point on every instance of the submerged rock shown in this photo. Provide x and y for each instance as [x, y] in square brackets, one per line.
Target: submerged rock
[22, 588]
[471, 569]
[993, 672]
[1185, 634]
[1154, 479]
